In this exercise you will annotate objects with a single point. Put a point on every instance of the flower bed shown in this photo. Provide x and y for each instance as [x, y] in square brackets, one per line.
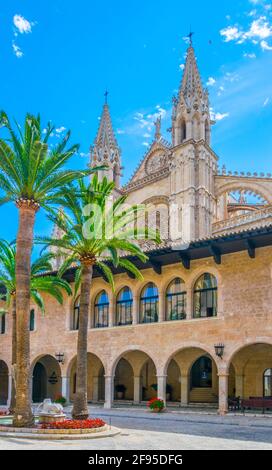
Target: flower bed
[156, 405]
[75, 424]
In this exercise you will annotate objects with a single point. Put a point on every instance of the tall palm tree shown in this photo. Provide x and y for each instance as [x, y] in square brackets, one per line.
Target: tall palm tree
[96, 242]
[31, 175]
[41, 282]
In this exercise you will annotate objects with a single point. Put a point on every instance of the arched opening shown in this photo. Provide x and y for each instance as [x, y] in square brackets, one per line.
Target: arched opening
[32, 320]
[101, 310]
[205, 296]
[95, 382]
[192, 378]
[149, 304]
[176, 300]
[135, 378]
[183, 132]
[124, 305]
[124, 381]
[46, 379]
[2, 324]
[4, 383]
[252, 368]
[75, 315]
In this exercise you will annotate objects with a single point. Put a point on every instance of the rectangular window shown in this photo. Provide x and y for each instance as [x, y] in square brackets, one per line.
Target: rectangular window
[2, 324]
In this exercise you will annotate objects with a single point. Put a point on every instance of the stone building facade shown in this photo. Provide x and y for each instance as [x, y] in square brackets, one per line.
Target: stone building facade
[198, 328]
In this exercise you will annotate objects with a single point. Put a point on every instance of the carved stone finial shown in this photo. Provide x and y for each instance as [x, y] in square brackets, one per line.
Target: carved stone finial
[157, 124]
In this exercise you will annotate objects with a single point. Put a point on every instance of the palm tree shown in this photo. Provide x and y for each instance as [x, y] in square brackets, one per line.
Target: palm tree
[96, 242]
[31, 175]
[41, 282]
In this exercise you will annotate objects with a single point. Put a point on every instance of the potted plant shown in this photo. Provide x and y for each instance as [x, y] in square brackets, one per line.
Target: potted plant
[156, 405]
[120, 391]
[61, 400]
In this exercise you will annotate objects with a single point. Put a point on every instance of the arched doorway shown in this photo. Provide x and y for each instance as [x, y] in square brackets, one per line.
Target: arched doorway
[251, 367]
[96, 379]
[203, 381]
[192, 377]
[123, 381]
[46, 379]
[4, 383]
[135, 378]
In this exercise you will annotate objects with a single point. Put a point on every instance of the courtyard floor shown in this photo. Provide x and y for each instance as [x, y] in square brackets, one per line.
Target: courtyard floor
[174, 430]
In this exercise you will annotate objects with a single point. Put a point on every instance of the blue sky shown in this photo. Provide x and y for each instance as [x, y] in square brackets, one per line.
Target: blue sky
[58, 57]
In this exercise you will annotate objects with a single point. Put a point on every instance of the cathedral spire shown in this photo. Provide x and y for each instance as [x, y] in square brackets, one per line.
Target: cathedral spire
[105, 150]
[191, 113]
[191, 82]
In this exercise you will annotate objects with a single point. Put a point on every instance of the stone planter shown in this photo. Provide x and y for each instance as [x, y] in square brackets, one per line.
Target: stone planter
[49, 418]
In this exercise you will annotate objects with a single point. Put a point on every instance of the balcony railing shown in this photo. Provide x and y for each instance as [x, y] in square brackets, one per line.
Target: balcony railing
[257, 218]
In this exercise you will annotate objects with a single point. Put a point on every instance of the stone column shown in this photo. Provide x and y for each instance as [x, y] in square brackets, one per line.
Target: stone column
[223, 393]
[9, 390]
[95, 388]
[111, 310]
[137, 390]
[161, 306]
[135, 310]
[189, 304]
[184, 386]
[109, 381]
[239, 386]
[162, 386]
[65, 387]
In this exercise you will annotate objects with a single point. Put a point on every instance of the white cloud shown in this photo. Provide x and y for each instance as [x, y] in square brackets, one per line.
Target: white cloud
[259, 30]
[120, 131]
[182, 66]
[17, 51]
[266, 102]
[265, 46]
[146, 144]
[60, 130]
[83, 155]
[249, 55]
[218, 116]
[22, 25]
[211, 81]
[231, 33]
[146, 135]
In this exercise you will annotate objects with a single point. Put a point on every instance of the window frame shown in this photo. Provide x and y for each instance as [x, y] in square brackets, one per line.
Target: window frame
[106, 307]
[128, 304]
[152, 300]
[204, 292]
[175, 295]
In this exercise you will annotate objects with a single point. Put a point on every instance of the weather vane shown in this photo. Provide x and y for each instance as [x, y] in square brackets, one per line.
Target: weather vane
[106, 94]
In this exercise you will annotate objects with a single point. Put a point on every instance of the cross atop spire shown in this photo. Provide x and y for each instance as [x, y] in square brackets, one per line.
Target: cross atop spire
[190, 36]
[106, 94]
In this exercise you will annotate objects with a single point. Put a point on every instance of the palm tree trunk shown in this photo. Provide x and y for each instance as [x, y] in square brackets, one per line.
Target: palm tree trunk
[23, 416]
[80, 408]
[13, 356]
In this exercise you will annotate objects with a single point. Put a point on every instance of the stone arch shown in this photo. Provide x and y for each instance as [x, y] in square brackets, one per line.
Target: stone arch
[4, 382]
[249, 363]
[96, 378]
[256, 187]
[178, 370]
[136, 371]
[46, 378]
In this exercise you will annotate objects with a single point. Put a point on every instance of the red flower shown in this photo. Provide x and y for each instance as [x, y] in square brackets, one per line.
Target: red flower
[75, 424]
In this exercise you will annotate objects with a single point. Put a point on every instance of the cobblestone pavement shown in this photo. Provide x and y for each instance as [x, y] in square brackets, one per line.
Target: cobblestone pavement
[168, 431]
